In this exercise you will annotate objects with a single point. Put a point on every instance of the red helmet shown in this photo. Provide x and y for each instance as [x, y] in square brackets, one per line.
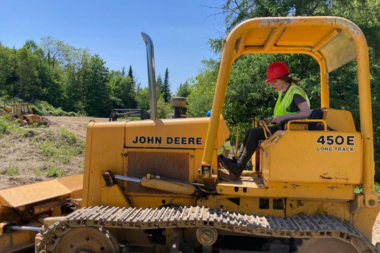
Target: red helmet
[276, 70]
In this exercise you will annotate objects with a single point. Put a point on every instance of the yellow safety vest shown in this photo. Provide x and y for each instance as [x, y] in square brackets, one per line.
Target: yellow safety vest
[283, 103]
[226, 146]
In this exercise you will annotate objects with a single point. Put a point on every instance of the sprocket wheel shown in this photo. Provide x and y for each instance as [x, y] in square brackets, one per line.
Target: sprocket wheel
[86, 240]
[325, 245]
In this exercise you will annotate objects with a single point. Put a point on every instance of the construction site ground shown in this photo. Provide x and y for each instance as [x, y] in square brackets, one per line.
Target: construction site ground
[22, 163]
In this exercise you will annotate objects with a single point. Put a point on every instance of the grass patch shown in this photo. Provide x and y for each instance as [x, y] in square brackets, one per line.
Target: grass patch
[59, 147]
[54, 172]
[37, 172]
[13, 171]
[8, 125]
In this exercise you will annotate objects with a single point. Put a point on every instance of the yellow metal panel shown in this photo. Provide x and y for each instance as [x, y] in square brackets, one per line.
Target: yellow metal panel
[339, 120]
[113, 196]
[16, 241]
[313, 156]
[296, 207]
[167, 133]
[104, 151]
[74, 183]
[158, 200]
[340, 50]
[31, 193]
[363, 218]
[303, 36]
[257, 36]
[198, 162]
[250, 187]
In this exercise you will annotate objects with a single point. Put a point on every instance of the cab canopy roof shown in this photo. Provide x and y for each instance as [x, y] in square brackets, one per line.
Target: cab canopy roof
[331, 40]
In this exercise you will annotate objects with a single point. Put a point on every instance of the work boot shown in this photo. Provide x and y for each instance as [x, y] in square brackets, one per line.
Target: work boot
[235, 168]
[226, 175]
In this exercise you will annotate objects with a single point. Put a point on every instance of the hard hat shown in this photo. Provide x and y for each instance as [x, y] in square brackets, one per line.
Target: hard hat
[208, 113]
[276, 70]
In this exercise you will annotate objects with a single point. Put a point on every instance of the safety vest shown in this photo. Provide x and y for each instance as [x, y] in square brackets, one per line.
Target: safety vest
[226, 146]
[283, 103]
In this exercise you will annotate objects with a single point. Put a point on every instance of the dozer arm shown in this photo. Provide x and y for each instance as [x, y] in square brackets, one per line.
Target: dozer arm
[156, 183]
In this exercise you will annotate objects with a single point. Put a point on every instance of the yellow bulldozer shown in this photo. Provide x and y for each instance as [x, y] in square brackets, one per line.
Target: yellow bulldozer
[153, 185]
[24, 113]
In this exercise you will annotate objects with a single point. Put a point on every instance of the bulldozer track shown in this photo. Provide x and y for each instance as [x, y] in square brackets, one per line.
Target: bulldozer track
[302, 227]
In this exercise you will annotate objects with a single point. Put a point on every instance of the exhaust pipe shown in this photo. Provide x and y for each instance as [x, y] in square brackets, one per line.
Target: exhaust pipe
[151, 76]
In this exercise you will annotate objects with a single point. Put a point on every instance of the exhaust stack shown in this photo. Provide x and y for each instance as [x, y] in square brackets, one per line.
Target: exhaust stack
[151, 76]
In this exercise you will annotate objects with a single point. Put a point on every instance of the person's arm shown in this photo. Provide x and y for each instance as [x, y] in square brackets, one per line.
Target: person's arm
[303, 114]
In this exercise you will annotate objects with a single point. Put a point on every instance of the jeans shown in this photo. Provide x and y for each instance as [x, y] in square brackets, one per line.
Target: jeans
[251, 141]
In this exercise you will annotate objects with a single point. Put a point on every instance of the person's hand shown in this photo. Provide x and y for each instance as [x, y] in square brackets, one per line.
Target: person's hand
[278, 119]
[268, 120]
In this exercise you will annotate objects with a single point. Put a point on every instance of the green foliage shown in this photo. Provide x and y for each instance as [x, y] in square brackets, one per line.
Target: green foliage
[142, 98]
[54, 172]
[202, 89]
[67, 78]
[13, 171]
[163, 108]
[359, 188]
[184, 90]
[123, 93]
[7, 125]
[59, 147]
[97, 88]
[44, 108]
[37, 172]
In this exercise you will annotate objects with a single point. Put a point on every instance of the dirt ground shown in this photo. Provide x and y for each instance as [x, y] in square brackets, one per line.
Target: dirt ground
[76, 125]
[22, 163]
[20, 154]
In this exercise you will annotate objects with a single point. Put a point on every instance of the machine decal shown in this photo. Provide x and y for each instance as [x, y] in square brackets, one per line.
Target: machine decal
[338, 143]
[169, 140]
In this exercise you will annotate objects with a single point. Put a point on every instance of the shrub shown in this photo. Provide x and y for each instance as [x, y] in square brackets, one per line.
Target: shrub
[13, 171]
[37, 172]
[7, 125]
[44, 108]
[54, 172]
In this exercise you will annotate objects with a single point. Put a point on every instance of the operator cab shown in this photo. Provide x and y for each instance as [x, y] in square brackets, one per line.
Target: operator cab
[325, 151]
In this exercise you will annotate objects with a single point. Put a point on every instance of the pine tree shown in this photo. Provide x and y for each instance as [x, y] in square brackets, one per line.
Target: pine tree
[166, 88]
[159, 84]
[130, 74]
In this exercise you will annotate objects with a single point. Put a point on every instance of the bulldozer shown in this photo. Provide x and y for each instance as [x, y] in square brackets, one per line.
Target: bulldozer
[153, 185]
[24, 113]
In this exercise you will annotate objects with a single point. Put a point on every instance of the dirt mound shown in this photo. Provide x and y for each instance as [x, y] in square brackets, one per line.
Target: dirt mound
[76, 125]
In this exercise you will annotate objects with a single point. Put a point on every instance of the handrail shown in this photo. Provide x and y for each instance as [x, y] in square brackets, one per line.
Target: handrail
[307, 121]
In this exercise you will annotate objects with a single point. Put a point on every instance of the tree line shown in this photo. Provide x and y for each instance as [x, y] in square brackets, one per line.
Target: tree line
[71, 78]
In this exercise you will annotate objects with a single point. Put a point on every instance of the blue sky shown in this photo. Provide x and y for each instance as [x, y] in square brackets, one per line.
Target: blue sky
[179, 29]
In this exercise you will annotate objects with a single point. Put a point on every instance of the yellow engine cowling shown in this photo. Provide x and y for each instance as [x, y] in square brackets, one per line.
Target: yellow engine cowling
[170, 148]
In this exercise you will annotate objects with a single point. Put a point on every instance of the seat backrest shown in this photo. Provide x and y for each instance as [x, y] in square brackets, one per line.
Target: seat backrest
[315, 114]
